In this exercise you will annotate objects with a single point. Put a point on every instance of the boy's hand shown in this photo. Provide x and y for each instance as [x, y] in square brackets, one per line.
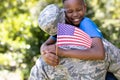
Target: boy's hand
[50, 58]
[48, 48]
[49, 55]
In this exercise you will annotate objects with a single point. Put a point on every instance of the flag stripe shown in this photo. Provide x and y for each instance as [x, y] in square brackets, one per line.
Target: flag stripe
[83, 36]
[75, 38]
[79, 43]
[71, 35]
[80, 33]
[72, 40]
[72, 43]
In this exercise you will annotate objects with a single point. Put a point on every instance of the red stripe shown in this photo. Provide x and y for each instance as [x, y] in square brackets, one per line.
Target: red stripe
[84, 37]
[70, 41]
[80, 32]
[81, 35]
[79, 38]
[72, 37]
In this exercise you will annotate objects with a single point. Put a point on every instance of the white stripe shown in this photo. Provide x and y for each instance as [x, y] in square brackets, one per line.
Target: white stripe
[74, 40]
[80, 37]
[83, 36]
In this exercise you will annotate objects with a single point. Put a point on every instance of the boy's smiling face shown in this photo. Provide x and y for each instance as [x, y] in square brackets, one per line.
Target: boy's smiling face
[75, 11]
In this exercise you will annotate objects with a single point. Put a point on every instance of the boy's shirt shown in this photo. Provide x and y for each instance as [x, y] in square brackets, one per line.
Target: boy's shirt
[89, 27]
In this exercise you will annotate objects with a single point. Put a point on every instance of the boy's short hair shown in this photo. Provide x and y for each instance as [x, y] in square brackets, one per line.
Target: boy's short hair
[65, 0]
[49, 17]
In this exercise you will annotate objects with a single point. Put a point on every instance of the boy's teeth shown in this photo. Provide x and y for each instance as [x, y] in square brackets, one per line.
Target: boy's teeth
[76, 19]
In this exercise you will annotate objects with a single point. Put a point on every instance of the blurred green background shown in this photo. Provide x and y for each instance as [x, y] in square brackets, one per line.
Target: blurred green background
[21, 37]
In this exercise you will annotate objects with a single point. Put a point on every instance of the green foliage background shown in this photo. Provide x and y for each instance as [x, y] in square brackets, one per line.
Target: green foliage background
[21, 37]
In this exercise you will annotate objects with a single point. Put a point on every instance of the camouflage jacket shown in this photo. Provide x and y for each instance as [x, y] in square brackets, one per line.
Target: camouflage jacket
[75, 69]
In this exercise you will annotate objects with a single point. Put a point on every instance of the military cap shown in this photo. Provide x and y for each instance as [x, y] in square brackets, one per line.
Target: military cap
[49, 17]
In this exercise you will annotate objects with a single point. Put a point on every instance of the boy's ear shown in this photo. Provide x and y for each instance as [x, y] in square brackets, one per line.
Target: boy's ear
[67, 20]
[85, 7]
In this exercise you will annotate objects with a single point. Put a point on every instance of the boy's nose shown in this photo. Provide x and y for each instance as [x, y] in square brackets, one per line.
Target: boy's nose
[75, 14]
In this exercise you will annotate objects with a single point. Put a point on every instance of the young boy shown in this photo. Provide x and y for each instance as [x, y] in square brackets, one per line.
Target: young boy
[53, 59]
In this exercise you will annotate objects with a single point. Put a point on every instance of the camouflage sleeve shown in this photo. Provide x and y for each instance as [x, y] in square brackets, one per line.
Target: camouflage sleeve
[113, 54]
[38, 72]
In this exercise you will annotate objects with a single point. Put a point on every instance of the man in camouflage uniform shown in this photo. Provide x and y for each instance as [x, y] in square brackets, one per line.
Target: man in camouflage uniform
[69, 68]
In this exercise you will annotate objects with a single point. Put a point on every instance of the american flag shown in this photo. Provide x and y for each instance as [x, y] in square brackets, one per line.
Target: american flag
[71, 35]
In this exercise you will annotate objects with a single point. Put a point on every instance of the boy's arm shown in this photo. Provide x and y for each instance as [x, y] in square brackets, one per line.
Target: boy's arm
[47, 49]
[96, 52]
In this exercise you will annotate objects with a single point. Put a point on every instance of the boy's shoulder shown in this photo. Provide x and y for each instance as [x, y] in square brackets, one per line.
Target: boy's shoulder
[86, 19]
[88, 26]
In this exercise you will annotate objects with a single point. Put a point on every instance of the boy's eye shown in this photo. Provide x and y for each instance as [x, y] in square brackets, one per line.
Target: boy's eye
[68, 11]
[79, 9]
